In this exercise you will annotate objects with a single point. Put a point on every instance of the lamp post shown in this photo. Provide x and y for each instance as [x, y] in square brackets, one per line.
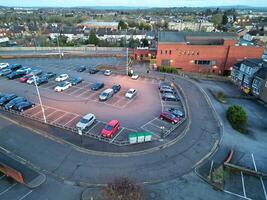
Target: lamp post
[127, 67]
[39, 96]
[162, 128]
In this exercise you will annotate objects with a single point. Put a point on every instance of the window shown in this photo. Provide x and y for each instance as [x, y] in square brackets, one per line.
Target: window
[161, 52]
[166, 51]
[170, 52]
[203, 62]
[165, 62]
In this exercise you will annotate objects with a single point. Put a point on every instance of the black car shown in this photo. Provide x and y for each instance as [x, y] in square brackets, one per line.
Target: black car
[14, 67]
[76, 81]
[49, 75]
[169, 97]
[97, 86]
[6, 98]
[13, 102]
[175, 112]
[41, 80]
[116, 88]
[81, 69]
[16, 74]
[93, 71]
[23, 106]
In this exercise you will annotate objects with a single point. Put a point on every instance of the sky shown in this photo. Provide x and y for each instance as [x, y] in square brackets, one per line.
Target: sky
[134, 3]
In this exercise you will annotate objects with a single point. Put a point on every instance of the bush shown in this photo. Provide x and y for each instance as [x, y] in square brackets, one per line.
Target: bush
[237, 117]
[168, 69]
[122, 189]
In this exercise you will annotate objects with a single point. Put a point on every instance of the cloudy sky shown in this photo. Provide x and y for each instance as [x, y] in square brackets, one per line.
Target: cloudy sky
[136, 3]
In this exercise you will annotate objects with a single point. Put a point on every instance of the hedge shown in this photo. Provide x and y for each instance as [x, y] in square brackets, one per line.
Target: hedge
[237, 117]
[168, 69]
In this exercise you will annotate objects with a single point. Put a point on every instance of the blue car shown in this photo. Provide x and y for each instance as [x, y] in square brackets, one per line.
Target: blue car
[6, 98]
[13, 102]
[97, 86]
[22, 106]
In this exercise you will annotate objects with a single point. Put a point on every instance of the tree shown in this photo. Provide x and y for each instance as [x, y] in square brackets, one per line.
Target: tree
[145, 42]
[237, 117]
[93, 38]
[62, 40]
[122, 189]
[224, 19]
[122, 25]
[217, 19]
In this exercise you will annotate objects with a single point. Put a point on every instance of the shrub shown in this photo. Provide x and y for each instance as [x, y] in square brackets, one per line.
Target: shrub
[168, 69]
[237, 117]
[122, 189]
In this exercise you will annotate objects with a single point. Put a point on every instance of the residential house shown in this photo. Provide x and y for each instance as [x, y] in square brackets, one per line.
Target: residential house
[259, 84]
[235, 71]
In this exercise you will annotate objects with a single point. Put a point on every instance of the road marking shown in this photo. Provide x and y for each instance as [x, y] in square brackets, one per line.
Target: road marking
[262, 184]
[72, 119]
[243, 184]
[6, 190]
[60, 117]
[75, 91]
[211, 167]
[55, 110]
[116, 135]
[156, 135]
[96, 123]
[84, 93]
[20, 198]
[238, 195]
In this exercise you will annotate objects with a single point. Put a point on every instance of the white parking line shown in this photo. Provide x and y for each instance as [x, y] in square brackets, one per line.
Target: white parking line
[96, 123]
[243, 184]
[51, 112]
[226, 191]
[72, 119]
[148, 122]
[116, 135]
[83, 93]
[262, 184]
[75, 91]
[20, 198]
[60, 117]
[6, 190]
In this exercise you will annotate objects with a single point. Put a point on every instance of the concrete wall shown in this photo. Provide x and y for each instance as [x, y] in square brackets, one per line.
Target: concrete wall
[61, 48]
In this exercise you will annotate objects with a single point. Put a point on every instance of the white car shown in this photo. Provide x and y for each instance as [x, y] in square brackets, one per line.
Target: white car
[107, 72]
[135, 76]
[3, 65]
[130, 93]
[86, 121]
[31, 80]
[62, 77]
[63, 86]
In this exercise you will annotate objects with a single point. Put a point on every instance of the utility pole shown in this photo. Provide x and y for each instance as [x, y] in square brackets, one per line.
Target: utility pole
[127, 67]
[39, 96]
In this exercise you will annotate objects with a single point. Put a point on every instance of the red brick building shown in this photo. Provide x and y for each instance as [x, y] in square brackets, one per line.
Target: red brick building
[203, 52]
[144, 54]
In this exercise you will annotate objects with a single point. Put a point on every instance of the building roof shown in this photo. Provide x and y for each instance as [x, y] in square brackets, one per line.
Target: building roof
[262, 72]
[101, 24]
[237, 65]
[185, 37]
[253, 62]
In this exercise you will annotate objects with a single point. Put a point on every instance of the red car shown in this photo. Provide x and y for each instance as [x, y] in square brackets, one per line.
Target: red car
[111, 128]
[25, 78]
[168, 116]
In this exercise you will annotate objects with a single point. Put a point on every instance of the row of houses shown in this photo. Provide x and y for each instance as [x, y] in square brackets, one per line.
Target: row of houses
[251, 76]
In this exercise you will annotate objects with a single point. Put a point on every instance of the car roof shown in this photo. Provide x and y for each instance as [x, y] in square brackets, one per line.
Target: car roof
[88, 116]
[131, 89]
[113, 122]
[108, 90]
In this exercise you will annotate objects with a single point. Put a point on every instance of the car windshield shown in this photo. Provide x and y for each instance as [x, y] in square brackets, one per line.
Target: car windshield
[62, 84]
[172, 116]
[131, 91]
[104, 94]
[84, 121]
[108, 127]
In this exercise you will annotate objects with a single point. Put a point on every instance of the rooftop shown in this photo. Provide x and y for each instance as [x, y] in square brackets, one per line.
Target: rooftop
[262, 72]
[191, 37]
[253, 62]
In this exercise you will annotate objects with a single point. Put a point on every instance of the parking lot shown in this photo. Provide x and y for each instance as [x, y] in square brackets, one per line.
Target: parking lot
[243, 185]
[10, 189]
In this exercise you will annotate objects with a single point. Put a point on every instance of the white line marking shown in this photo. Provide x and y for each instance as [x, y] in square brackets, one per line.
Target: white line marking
[153, 133]
[96, 123]
[116, 135]
[20, 198]
[262, 184]
[6, 190]
[83, 93]
[238, 195]
[72, 119]
[75, 91]
[243, 184]
[55, 110]
[148, 122]
[60, 117]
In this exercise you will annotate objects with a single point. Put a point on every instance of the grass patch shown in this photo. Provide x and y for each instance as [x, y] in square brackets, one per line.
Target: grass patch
[218, 175]
[167, 69]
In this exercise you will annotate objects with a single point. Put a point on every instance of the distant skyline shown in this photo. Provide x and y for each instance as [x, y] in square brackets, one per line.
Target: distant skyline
[132, 3]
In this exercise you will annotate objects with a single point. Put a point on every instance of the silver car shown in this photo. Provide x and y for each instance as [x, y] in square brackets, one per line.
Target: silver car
[86, 121]
[106, 94]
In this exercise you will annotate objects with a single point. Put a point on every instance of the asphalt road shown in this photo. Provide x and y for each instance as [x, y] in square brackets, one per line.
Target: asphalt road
[168, 163]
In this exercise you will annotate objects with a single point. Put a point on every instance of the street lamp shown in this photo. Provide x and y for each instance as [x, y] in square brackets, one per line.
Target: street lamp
[39, 96]
[162, 128]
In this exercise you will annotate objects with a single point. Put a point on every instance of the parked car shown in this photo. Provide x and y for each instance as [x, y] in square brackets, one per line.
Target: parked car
[26, 70]
[162, 84]
[14, 67]
[131, 93]
[25, 78]
[16, 74]
[93, 71]
[76, 81]
[175, 112]
[111, 128]
[5, 72]
[3, 65]
[62, 77]
[49, 75]
[81, 69]
[6, 98]
[63, 86]
[106, 94]
[22, 106]
[107, 72]
[31, 79]
[14, 101]
[135, 76]
[41, 80]
[116, 88]
[97, 86]
[168, 116]
[169, 97]
[36, 72]
[86, 121]
[162, 88]
[170, 91]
